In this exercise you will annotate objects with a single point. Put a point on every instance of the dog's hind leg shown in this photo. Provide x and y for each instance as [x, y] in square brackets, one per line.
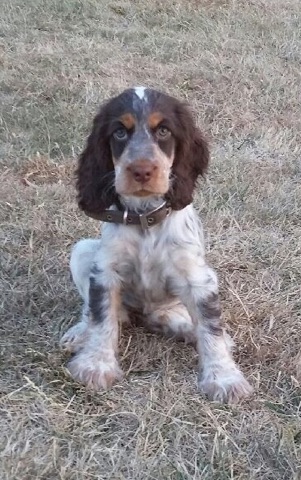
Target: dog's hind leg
[81, 264]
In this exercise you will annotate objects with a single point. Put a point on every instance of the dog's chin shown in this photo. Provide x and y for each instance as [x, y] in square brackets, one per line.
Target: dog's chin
[142, 200]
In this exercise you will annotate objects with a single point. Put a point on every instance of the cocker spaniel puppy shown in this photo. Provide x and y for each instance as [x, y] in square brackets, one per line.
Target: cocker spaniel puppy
[137, 174]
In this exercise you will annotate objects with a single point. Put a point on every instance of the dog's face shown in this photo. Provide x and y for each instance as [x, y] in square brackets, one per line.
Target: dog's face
[143, 144]
[142, 140]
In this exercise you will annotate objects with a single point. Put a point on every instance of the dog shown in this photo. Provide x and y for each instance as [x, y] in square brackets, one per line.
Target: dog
[137, 174]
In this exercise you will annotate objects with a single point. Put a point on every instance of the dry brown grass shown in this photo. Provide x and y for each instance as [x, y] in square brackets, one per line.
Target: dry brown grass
[238, 63]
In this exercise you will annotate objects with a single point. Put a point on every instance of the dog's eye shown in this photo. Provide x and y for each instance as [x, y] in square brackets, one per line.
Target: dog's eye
[120, 134]
[162, 133]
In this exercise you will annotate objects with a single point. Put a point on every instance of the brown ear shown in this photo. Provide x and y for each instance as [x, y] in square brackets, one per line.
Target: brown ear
[191, 160]
[95, 172]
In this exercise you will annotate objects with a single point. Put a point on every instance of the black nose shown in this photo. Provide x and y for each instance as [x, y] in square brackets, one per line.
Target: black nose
[142, 171]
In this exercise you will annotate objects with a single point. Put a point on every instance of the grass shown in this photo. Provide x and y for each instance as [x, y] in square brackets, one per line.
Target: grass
[238, 64]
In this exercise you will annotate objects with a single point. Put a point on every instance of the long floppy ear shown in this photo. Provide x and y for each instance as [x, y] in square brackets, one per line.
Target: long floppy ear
[191, 159]
[95, 172]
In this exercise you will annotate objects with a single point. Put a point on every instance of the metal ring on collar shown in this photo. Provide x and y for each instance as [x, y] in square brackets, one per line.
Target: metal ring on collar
[125, 216]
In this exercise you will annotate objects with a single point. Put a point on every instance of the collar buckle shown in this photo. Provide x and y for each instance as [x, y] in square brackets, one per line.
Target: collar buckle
[147, 219]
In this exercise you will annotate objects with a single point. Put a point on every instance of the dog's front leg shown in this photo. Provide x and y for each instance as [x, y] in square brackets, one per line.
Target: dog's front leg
[219, 377]
[96, 363]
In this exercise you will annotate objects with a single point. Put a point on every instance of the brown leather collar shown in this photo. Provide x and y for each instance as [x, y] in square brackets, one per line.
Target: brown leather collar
[145, 220]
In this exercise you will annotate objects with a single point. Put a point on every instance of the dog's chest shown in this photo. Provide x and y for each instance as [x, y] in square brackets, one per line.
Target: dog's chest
[143, 270]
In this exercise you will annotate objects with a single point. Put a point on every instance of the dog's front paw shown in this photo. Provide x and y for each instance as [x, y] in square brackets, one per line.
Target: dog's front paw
[95, 371]
[225, 385]
[74, 338]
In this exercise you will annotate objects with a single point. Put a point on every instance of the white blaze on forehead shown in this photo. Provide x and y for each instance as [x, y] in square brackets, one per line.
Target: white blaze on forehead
[140, 92]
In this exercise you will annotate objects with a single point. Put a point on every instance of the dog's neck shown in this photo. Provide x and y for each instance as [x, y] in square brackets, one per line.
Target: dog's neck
[140, 205]
[145, 212]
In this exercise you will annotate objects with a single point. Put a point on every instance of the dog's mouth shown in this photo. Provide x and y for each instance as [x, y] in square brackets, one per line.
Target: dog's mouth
[142, 189]
[143, 193]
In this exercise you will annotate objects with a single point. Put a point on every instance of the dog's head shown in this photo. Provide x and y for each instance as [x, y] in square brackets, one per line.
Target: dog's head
[143, 144]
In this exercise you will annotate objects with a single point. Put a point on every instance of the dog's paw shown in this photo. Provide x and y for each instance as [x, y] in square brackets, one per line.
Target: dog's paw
[74, 338]
[225, 385]
[95, 371]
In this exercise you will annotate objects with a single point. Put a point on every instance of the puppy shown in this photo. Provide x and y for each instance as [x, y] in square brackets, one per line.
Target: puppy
[137, 174]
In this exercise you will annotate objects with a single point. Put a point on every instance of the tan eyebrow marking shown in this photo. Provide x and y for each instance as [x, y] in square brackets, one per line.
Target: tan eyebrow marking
[128, 120]
[154, 119]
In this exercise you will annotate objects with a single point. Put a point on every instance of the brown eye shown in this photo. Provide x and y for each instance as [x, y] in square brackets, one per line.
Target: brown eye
[120, 134]
[162, 133]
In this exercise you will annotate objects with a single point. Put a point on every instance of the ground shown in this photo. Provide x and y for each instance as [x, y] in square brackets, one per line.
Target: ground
[238, 64]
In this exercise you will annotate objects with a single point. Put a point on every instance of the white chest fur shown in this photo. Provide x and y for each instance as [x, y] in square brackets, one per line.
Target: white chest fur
[144, 260]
